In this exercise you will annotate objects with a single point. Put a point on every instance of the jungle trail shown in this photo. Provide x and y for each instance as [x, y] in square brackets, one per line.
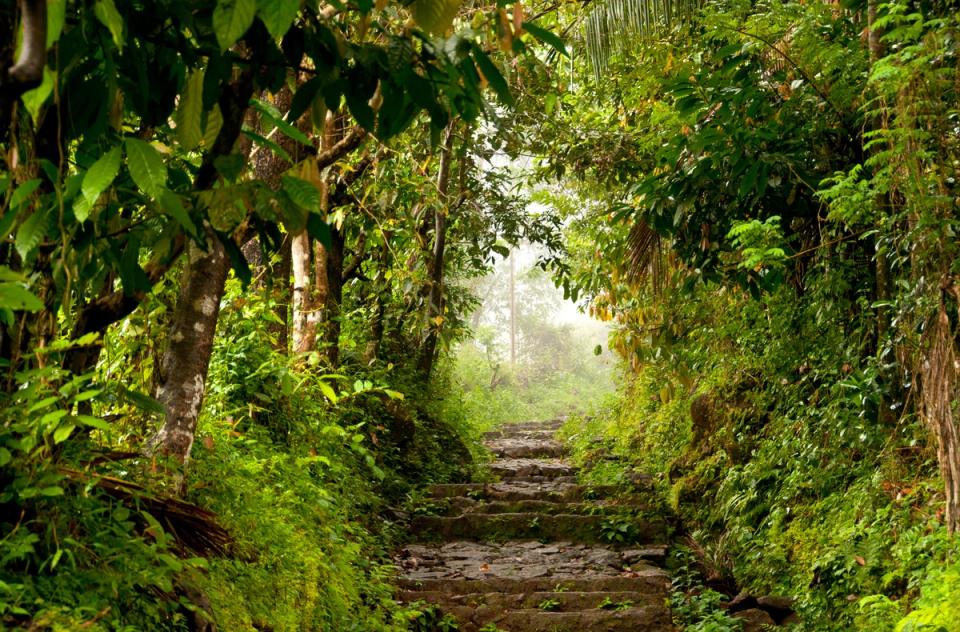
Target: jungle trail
[287, 338]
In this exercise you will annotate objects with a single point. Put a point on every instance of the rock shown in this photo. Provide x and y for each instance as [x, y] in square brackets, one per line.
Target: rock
[754, 619]
[778, 607]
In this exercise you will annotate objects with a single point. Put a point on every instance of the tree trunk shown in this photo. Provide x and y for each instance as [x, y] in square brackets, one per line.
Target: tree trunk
[434, 311]
[306, 304]
[333, 295]
[183, 372]
[939, 375]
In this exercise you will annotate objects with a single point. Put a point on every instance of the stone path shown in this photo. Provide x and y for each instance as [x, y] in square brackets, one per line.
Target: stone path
[527, 553]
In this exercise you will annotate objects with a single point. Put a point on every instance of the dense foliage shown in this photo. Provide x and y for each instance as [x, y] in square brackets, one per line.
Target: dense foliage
[239, 238]
[770, 222]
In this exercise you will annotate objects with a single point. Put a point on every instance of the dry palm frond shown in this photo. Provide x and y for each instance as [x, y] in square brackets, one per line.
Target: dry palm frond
[194, 528]
[644, 254]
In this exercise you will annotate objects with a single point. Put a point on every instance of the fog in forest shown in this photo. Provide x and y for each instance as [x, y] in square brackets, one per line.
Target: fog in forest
[533, 354]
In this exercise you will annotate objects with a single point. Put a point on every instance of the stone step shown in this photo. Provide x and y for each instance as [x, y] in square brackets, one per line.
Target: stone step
[551, 601]
[651, 618]
[540, 478]
[464, 504]
[547, 434]
[526, 467]
[647, 581]
[515, 490]
[523, 426]
[532, 526]
[524, 448]
[462, 560]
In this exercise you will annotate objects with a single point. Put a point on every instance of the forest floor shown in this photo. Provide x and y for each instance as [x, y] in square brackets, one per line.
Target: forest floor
[534, 551]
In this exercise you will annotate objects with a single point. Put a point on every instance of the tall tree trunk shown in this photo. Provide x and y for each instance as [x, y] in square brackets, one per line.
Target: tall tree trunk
[939, 375]
[333, 297]
[306, 303]
[434, 311]
[183, 372]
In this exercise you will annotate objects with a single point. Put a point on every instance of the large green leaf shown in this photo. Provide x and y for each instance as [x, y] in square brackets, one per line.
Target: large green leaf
[231, 19]
[190, 112]
[434, 16]
[98, 177]
[30, 233]
[303, 193]
[545, 36]
[172, 206]
[492, 73]
[106, 12]
[277, 15]
[146, 166]
[15, 296]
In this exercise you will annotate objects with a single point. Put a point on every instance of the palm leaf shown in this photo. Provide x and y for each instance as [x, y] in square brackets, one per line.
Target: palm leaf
[612, 25]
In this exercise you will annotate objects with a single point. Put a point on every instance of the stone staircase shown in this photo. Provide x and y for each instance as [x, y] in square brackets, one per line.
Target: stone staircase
[528, 553]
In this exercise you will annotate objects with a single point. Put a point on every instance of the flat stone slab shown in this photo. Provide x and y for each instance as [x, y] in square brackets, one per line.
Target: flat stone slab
[464, 560]
[526, 447]
[524, 467]
[649, 581]
[557, 601]
[463, 505]
[643, 619]
[548, 490]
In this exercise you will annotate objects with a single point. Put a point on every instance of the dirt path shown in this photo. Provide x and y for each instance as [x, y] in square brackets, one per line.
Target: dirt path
[528, 553]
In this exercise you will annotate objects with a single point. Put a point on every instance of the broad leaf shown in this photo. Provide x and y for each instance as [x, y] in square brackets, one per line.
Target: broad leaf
[493, 76]
[16, 297]
[277, 15]
[190, 112]
[303, 193]
[146, 166]
[96, 180]
[434, 16]
[30, 233]
[231, 19]
[172, 206]
[547, 37]
[106, 12]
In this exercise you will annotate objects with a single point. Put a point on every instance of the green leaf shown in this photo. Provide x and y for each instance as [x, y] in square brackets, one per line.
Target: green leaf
[146, 166]
[106, 12]
[63, 432]
[172, 206]
[5, 456]
[319, 229]
[24, 191]
[211, 128]
[92, 422]
[35, 99]
[16, 297]
[190, 112]
[56, 16]
[303, 193]
[276, 119]
[434, 16]
[277, 15]
[98, 177]
[328, 391]
[231, 19]
[492, 73]
[547, 37]
[30, 233]
[53, 490]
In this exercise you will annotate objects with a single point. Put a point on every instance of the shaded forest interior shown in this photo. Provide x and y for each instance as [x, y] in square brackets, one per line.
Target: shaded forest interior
[270, 269]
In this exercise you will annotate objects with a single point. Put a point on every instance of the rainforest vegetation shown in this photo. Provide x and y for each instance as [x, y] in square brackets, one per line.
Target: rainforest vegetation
[259, 284]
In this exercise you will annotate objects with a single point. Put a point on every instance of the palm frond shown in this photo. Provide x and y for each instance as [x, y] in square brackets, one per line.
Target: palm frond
[612, 25]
